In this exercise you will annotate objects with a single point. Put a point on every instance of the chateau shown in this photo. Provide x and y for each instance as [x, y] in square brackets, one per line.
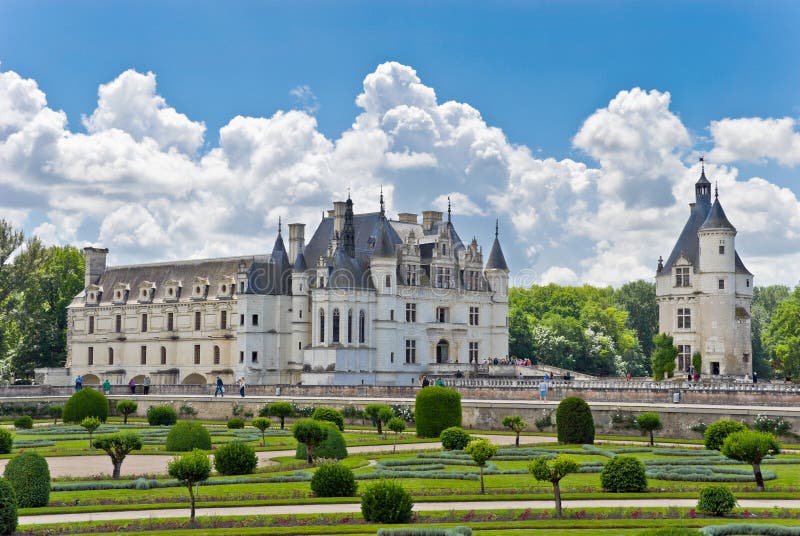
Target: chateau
[704, 291]
[367, 301]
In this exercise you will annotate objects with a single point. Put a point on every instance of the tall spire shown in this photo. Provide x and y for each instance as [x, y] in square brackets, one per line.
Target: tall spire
[496, 261]
[279, 225]
[348, 229]
[716, 189]
[496, 227]
[449, 211]
[383, 210]
[702, 188]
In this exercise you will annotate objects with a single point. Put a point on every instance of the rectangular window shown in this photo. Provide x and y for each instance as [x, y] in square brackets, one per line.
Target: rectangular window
[110, 356]
[391, 357]
[91, 324]
[144, 323]
[223, 320]
[391, 314]
[473, 352]
[411, 275]
[241, 357]
[216, 355]
[241, 287]
[474, 316]
[722, 248]
[684, 318]
[143, 355]
[254, 357]
[90, 358]
[196, 354]
[442, 277]
[748, 283]
[411, 351]
[197, 319]
[411, 312]
[170, 321]
[118, 324]
[684, 357]
[163, 356]
[255, 320]
[721, 284]
[241, 320]
[682, 276]
[442, 314]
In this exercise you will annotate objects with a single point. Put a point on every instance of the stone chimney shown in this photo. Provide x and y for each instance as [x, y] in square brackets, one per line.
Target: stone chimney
[297, 239]
[407, 217]
[429, 218]
[339, 208]
[94, 265]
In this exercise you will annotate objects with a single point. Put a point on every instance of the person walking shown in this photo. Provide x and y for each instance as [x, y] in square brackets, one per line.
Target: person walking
[425, 381]
[220, 390]
[132, 385]
[543, 390]
[107, 387]
[147, 385]
[241, 386]
[78, 382]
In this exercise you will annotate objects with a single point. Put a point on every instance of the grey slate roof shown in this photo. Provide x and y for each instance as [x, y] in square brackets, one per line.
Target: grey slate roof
[366, 226]
[716, 218]
[496, 261]
[384, 248]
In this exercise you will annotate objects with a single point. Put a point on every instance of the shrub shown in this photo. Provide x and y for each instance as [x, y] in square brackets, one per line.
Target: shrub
[8, 508]
[553, 470]
[574, 423]
[277, 409]
[189, 469]
[422, 531]
[375, 412]
[738, 529]
[188, 435]
[777, 426]
[624, 473]
[235, 458]
[186, 410]
[55, 411]
[333, 480]
[386, 501]
[396, 425]
[236, 423]
[751, 447]
[481, 451]
[161, 415]
[29, 475]
[86, 403]
[454, 438]
[6, 441]
[716, 432]
[90, 424]
[262, 424]
[23, 423]
[516, 424]
[716, 500]
[649, 423]
[329, 415]
[331, 443]
[125, 408]
[435, 409]
[118, 446]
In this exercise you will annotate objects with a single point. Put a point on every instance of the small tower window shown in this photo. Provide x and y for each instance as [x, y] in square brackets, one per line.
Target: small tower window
[362, 327]
[350, 326]
[747, 282]
[335, 334]
[321, 325]
[721, 284]
[682, 276]
[722, 247]
[388, 282]
[684, 318]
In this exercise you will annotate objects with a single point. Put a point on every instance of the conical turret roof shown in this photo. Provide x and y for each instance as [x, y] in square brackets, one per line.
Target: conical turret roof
[716, 218]
[497, 261]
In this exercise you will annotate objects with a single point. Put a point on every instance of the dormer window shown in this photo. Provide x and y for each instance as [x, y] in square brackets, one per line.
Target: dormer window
[146, 291]
[172, 290]
[93, 293]
[226, 288]
[682, 276]
[199, 288]
[120, 293]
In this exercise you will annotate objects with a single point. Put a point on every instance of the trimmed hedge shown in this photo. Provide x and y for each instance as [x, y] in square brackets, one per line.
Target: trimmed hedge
[8, 508]
[29, 475]
[386, 501]
[235, 423]
[716, 500]
[333, 480]
[6, 441]
[412, 531]
[454, 438]
[757, 529]
[235, 458]
[188, 435]
[23, 423]
[329, 415]
[333, 444]
[435, 409]
[623, 474]
[574, 422]
[85, 403]
[716, 432]
[161, 415]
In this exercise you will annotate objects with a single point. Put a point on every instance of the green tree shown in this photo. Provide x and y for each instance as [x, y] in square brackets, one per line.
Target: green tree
[516, 424]
[190, 469]
[553, 470]
[118, 446]
[90, 424]
[520, 333]
[481, 451]
[278, 409]
[663, 358]
[10, 240]
[310, 433]
[751, 447]
[648, 423]
[782, 337]
[375, 412]
[262, 423]
[126, 407]
[765, 302]
[638, 298]
[396, 425]
[697, 362]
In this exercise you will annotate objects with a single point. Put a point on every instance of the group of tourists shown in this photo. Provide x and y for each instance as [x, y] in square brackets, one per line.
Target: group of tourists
[220, 387]
[145, 385]
[425, 382]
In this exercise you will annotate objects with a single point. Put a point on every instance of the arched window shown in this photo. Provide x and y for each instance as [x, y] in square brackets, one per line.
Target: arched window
[388, 282]
[321, 325]
[350, 326]
[362, 326]
[163, 355]
[335, 334]
[216, 355]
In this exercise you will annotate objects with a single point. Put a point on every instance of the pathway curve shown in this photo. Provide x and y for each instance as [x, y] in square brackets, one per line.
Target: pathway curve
[350, 508]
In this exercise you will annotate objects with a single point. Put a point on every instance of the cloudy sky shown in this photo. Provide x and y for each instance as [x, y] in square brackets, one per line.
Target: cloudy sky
[186, 129]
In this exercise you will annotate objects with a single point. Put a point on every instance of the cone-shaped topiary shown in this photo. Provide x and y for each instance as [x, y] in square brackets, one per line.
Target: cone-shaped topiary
[8, 508]
[574, 423]
[29, 475]
[436, 408]
[85, 403]
[188, 435]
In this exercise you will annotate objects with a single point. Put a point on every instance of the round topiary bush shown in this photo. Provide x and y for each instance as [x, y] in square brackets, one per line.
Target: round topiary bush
[332, 446]
[235, 423]
[6, 441]
[8, 508]
[716, 500]
[624, 473]
[435, 409]
[85, 403]
[24, 422]
[161, 415]
[333, 480]
[188, 435]
[574, 422]
[235, 458]
[716, 432]
[329, 415]
[386, 501]
[454, 438]
[29, 475]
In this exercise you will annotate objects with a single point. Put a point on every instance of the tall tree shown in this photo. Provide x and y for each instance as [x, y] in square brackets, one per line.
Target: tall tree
[663, 358]
[765, 301]
[638, 298]
[782, 337]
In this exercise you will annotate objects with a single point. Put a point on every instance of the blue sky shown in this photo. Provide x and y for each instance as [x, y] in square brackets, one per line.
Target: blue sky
[535, 70]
